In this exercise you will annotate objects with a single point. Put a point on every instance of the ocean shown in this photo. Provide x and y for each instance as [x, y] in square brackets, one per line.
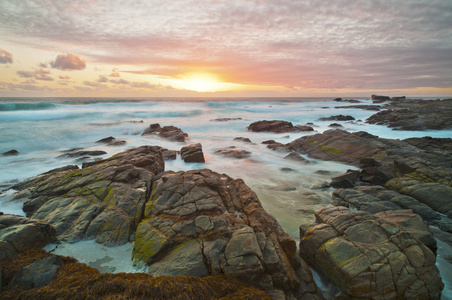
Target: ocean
[40, 129]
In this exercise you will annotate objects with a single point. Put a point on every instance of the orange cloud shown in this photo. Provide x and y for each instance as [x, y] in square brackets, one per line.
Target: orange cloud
[5, 57]
[69, 61]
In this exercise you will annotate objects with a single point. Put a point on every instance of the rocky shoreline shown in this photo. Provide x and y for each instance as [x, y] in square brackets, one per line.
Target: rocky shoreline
[376, 241]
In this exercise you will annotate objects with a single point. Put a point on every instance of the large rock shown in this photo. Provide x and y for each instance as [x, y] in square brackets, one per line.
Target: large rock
[368, 257]
[18, 233]
[277, 126]
[232, 152]
[167, 132]
[415, 115]
[204, 223]
[103, 201]
[338, 118]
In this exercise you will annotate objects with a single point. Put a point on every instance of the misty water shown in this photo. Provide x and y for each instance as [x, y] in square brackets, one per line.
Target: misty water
[40, 129]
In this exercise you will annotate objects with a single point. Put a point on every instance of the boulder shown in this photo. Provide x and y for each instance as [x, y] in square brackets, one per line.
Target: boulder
[192, 153]
[232, 152]
[296, 157]
[103, 201]
[304, 128]
[368, 257]
[204, 223]
[379, 99]
[83, 153]
[346, 180]
[276, 126]
[167, 132]
[242, 139]
[18, 233]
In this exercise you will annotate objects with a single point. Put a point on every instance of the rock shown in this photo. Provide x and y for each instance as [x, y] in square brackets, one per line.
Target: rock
[398, 98]
[268, 142]
[379, 99]
[304, 128]
[335, 125]
[337, 118]
[279, 147]
[435, 195]
[192, 153]
[365, 107]
[415, 115]
[323, 172]
[167, 132]
[431, 144]
[346, 180]
[103, 201]
[232, 152]
[212, 224]
[37, 274]
[18, 233]
[83, 153]
[296, 157]
[12, 152]
[111, 141]
[276, 126]
[226, 119]
[412, 223]
[243, 139]
[338, 100]
[369, 258]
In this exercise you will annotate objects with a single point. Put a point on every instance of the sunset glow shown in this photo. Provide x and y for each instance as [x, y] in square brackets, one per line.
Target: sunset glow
[225, 48]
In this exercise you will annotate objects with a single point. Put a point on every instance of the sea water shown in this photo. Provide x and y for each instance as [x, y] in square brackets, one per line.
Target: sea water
[40, 129]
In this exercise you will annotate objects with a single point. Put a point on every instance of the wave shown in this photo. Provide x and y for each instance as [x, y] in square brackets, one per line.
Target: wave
[26, 106]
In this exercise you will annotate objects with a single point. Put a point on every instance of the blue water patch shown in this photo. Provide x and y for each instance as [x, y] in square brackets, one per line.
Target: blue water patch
[26, 106]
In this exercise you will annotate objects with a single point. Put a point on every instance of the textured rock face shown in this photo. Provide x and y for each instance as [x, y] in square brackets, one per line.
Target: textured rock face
[204, 223]
[167, 132]
[232, 152]
[368, 257]
[192, 153]
[19, 233]
[103, 201]
[37, 274]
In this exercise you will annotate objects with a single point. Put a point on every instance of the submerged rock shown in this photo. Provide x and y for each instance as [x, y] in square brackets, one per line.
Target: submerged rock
[12, 152]
[368, 257]
[232, 152]
[111, 141]
[338, 118]
[204, 223]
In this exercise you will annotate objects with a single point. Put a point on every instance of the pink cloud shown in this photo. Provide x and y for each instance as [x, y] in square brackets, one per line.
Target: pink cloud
[64, 77]
[69, 61]
[5, 57]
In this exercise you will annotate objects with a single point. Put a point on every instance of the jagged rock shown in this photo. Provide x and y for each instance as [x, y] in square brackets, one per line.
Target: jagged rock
[167, 132]
[83, 153]
[232, 152]
[208, 223]
[369, 258]
[12, 152]
[192, 153]
[103, 201]
[37, 274]
[346, 180]
[18, 233]
[277, 126]
[111, 141]
[337, 118]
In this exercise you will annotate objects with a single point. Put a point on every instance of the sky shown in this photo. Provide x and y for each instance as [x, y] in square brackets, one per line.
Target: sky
[225, 48]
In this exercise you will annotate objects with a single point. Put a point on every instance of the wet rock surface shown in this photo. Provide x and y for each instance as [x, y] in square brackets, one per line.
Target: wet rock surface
[368, 257]
[276, 126]
[192, 153]
[233, 152]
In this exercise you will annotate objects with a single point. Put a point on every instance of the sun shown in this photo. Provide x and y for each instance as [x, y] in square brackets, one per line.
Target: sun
[201, 82]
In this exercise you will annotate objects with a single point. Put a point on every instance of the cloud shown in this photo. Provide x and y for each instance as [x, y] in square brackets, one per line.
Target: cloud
[68, 61]
[5, 57]
[114, 73]
[92, 84]
[38, 74]
[64, 77]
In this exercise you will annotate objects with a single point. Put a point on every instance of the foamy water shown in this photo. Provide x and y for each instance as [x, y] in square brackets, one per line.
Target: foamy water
[41, 128]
